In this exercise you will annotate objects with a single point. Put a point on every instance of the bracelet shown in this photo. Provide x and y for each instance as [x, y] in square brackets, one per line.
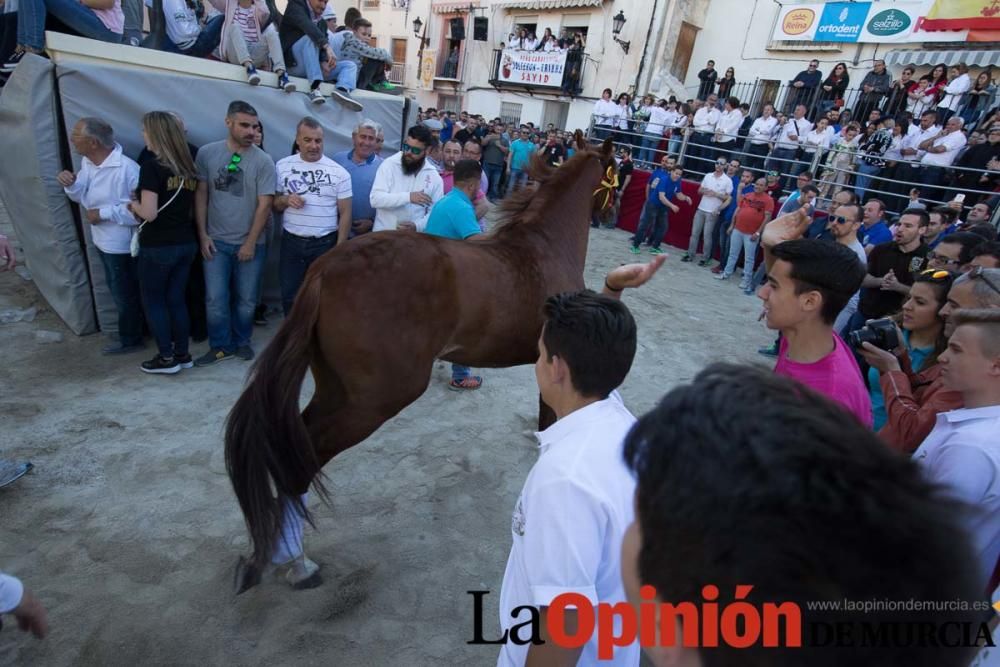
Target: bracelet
[612, 288]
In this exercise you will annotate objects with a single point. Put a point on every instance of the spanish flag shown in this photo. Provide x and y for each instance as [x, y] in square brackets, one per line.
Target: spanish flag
[963, 15]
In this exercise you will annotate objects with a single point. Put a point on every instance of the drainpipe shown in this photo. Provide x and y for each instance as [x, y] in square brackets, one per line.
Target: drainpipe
[645, 47]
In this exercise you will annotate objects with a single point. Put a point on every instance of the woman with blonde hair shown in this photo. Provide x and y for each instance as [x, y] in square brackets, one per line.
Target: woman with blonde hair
[167, 238]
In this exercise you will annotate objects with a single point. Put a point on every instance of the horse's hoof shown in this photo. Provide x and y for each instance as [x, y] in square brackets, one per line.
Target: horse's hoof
[301, 573]
[246, 577]
[312, 581]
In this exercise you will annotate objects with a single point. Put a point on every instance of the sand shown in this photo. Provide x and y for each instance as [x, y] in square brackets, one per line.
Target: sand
[128, 531]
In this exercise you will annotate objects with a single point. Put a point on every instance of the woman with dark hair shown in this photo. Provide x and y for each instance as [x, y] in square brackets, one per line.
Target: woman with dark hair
[726, 84]
[623, 126]
[831, 91]
[939, 79]
[605, 115]
[905, 384]
[980, 97]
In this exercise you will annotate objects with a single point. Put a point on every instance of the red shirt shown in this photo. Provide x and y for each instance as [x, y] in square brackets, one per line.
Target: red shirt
[751, 211]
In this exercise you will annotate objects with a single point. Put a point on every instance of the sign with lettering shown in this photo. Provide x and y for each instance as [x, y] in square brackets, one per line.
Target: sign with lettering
[532, 68]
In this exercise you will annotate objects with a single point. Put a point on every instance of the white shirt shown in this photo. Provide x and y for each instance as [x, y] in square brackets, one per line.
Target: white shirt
[672, 117]
[962, 454]
[914, 140]
[815, 140]
[954, 91]
[605, 111]
[720, 186]
[729, 125]
[659, 118]
[108, 187]
[706, 118]
[321, 184]
[762, 130]
[11, 591]
[799, 127]
[953, 142]
[390, 195]
[569, 522]
[181, 22]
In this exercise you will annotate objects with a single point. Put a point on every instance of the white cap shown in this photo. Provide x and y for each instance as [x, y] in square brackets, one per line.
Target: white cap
[329, 12]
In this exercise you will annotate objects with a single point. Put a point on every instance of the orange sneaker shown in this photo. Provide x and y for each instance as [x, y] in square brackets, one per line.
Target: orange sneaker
[469, 383]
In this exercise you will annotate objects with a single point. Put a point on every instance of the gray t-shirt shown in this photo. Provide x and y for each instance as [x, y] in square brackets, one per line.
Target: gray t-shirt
[232, 195]
[492, 154]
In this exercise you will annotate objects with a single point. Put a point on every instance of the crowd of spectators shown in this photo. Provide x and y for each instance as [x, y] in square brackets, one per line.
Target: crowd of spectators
[306, 41]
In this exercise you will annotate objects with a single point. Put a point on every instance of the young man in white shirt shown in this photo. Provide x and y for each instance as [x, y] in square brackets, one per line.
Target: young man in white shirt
[760, 137]
[406, 185]
[570, 518]
[959, 84]
[103, 188]
[314, 194]
[909, 147]
[715, 190]
[727, 128]
[962, 453]
[704, 122]
[790, 138]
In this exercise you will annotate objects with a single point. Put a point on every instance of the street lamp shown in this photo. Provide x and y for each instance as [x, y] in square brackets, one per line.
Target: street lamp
[617, 23]
[417, 25]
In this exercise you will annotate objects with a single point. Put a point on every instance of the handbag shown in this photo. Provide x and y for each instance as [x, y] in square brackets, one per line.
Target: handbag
[134, 243]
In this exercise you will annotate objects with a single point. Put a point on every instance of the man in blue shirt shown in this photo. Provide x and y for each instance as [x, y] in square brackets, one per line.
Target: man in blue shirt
[361, 162]
[519, 157]
[874, 231]
[454, 217]
[659, 191]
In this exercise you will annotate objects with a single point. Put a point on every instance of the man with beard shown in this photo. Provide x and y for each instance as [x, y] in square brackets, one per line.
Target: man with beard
[314, 193]
[451, 154]
[553, 151]
[843, 224]
[406, 186]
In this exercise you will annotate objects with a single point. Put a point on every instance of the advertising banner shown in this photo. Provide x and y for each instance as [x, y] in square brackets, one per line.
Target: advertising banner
[427, 68]
[797, 22]
[533, 68]
[867, 22]
[894, 22]
[842, 21]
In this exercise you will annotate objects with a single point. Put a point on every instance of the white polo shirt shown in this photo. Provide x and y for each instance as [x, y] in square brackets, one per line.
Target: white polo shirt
[706, 118]
[321, 184]
[800, 127]
[721, 186]
[569, 523]
[953, 142]
[762, 130]
[962, 454]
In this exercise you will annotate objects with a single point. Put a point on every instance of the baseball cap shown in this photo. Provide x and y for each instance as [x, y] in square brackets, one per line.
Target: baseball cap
[329, 12]
[433, 124]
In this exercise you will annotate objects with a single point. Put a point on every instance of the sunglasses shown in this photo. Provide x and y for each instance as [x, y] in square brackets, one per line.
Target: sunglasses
[935, 274]
[234, 163]
[413, 149]
[941, 258]
[977, 273]
[838, 219]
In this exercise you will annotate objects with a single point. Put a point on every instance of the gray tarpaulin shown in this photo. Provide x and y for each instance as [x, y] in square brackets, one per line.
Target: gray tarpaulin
[121, 95]
[46, 229]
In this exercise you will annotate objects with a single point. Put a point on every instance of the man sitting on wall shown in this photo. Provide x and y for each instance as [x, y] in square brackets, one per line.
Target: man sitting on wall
[355, 44]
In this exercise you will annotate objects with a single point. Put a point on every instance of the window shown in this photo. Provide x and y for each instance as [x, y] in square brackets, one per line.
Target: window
[527, 23]
[575, 23]
[450, 55]
[398, 50]
[510, 113]
[555, 113]
[450, 103]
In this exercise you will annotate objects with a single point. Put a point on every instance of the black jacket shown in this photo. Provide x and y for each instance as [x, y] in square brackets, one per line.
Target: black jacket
[298, 21]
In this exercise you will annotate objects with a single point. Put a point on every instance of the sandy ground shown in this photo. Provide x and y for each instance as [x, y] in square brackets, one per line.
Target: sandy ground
[128, 531]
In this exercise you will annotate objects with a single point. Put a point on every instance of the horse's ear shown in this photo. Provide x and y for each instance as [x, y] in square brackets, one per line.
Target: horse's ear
[607, 149]
[579, 140]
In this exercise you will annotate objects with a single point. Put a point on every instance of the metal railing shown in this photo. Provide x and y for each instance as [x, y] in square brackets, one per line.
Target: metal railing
[832, 171]
[570, 83]
[397, 74]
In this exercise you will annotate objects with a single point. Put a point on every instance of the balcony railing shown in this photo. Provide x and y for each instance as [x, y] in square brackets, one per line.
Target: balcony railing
[397, 74]
[538, 70]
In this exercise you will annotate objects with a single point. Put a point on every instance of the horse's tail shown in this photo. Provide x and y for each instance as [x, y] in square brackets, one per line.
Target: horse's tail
[266, 440]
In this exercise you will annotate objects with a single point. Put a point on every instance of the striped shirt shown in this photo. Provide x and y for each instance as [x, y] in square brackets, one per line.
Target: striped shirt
[247, 22]
[321, 184]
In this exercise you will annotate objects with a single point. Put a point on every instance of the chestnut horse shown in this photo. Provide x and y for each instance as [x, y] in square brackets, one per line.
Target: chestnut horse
[371, 318]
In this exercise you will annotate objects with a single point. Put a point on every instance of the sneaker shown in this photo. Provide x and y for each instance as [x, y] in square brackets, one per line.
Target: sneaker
[252, 77]
[184, 360]
[316, 97]
[342, 97]
[722, 276]
[285, 84]
[748, 291]
[655, 251]
[704, 261]
[385, 87]
[769, 351]
[213, 357]
[260, 315]
[686, 258]
[717, 268]
[244, 352]
[634, 249]
[159, 365]
[118, 348]
[468, 384]
[13, 61]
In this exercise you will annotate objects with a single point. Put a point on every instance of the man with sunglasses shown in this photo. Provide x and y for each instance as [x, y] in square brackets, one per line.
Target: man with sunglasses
[236, 185]
[406, 185]
[843, 225]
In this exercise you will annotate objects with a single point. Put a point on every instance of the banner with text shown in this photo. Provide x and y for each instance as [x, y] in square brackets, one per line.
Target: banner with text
[532, 68]
[878, 22]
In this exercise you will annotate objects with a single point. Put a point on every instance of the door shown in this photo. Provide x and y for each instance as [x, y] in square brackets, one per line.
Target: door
[555, 113]
[683, 50]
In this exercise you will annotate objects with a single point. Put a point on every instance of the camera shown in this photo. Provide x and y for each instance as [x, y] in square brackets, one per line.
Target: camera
[880, 333]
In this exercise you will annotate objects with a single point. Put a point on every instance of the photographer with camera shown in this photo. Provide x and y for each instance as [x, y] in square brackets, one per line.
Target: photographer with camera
[904, 376]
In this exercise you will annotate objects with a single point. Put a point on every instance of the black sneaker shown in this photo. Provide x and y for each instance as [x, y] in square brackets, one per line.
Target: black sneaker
[213, 357]
[260, 315]
[704, 262]
[341, 96]
[244, 352]
[13, 61]
[184, 360]
[159, 365]
[686, 258]
[118, 348]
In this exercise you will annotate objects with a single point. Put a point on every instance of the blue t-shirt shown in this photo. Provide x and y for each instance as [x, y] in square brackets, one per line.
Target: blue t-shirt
[665, 186]
[362, 177]
[875, 235]
[917, 358]
[727, 214]
[521, 151]
[951, 229]
[453, 217]
[449, 127]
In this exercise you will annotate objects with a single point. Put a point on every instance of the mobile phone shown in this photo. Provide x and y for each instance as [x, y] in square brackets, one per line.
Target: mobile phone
[960, 197]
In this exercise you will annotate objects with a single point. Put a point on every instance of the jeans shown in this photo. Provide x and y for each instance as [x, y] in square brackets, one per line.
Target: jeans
[494, 172]
[163, 276]
[702, 228]
[231, 296]
[931, 177]
[757, 157]
[740, 241]
[207, 40]
[649, 144]
[123, 283]
[297, 254]
[31, 21]
[344, 73]
[722, 238]
[674, 145]
[655, 216]
[266, 53]
[863, 177]
[517, 176]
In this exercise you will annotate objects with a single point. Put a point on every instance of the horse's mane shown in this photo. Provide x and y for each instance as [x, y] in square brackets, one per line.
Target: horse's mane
[552, 182]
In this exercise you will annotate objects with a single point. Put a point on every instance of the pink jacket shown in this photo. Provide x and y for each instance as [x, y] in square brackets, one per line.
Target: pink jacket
[229, 8]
